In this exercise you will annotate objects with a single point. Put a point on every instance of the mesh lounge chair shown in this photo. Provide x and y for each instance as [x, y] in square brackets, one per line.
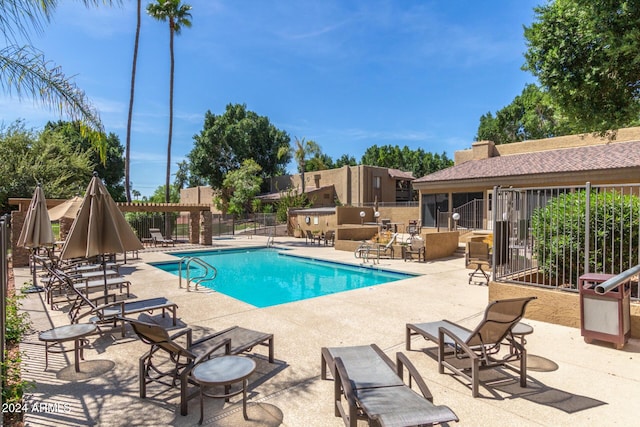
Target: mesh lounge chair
[159, 238]
[183, 358]
[329, 238]
[310, 237]
[481, 346]
[374, 389]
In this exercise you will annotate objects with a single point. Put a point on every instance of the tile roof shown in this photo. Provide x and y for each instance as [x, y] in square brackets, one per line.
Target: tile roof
[614, 155]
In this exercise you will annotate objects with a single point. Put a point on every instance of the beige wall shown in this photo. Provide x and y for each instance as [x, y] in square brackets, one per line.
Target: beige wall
[553, 306]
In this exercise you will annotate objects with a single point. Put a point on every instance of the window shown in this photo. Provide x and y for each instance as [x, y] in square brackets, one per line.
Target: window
[377, 182]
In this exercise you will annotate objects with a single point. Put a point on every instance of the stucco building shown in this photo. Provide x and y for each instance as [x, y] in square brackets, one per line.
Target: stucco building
[561, 161]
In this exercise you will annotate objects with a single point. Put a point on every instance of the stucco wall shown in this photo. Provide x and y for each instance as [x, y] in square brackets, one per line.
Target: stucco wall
[440, 245]
[553, 306]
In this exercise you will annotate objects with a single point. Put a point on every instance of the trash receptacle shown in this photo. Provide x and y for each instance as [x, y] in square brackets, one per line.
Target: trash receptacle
[605, 316]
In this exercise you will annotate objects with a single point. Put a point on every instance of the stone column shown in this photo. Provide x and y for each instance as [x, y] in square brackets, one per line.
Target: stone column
[194, 227]
[206, 237]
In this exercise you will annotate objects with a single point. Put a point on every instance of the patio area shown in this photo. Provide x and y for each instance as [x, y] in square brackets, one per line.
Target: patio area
[569, 382]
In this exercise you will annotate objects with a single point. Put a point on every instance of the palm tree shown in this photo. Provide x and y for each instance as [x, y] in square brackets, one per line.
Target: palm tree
[302, 150]
[178, 16]
[127, 151]
[25, 71]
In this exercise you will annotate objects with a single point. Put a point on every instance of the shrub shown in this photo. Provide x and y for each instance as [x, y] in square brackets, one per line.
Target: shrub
[559, 233]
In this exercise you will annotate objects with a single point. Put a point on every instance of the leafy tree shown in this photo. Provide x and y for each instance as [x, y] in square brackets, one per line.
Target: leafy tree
[301, 151]
[178, 16]
[237, 135]
[136, 194]
[28, 158]
[239, 189]
[112, 170]
[558, 231]
[159, 194]
[24, 70]
[418, 162]
[531, 115]
[319, 162]
[127, 156]
[290, 198]
[346, 160]
[586, 54]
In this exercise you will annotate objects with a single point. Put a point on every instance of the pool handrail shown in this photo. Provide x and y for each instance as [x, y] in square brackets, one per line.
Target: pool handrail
[187, 260]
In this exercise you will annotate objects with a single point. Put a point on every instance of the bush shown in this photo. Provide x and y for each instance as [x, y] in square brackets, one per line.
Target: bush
[559, 233]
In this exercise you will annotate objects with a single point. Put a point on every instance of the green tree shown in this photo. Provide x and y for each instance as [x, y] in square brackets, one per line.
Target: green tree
[237, 135]
[178, 16]
[345, 160]
[28, 158]
[531, 115]
[24, 70]
[112, 170]
[159, 194]
[127, 156]
[303, 150]
[290, 198]
[586, 53]
[418, 162]
[319, 162]
[239, 189]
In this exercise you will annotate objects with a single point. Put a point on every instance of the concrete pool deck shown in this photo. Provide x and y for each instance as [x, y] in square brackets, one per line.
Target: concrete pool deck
[569, 382]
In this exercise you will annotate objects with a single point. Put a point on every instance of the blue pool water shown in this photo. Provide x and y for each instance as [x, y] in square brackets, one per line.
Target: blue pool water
[266, 277]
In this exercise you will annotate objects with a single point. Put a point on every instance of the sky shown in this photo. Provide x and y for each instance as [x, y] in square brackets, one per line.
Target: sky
[346, 74]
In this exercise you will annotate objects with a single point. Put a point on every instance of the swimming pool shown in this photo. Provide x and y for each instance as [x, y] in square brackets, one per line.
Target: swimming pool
[266, 277]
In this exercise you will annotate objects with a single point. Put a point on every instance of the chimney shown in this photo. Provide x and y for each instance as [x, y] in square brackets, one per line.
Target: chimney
[483, 149]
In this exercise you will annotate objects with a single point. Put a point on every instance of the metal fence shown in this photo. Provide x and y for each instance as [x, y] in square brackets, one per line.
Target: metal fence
[548, 237]
[141, 222]
[261, 224]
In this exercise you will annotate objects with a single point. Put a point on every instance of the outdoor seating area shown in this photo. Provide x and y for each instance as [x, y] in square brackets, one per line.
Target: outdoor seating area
[286, 386]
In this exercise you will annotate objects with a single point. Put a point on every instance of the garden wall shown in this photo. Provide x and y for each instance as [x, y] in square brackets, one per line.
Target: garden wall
[553, 306]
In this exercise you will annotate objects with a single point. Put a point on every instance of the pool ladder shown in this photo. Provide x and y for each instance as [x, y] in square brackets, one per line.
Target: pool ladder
[271, 240]
[187, 261]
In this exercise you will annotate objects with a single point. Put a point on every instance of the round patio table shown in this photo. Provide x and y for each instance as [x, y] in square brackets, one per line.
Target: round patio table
[75, 332]
[224, 371]
[519, 331]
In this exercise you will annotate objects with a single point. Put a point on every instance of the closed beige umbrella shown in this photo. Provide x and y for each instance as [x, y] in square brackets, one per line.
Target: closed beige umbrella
[36, 231]
[67, 209]
[99, 227]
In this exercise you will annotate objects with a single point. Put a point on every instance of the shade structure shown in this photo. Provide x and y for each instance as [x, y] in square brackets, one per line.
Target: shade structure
[67, 209]
[36, 231]
[99, 227]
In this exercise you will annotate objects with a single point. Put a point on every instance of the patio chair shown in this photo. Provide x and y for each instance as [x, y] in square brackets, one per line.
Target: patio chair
[384, 250]
[329, 238]
[479, 347]
[374, 389]
[310, 237]
[183, 358]
[157, 237]
[416, 247]
[478, 256]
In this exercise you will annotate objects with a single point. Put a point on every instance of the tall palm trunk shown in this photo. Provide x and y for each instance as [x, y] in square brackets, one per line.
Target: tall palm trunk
[167, 191]
[127, 155]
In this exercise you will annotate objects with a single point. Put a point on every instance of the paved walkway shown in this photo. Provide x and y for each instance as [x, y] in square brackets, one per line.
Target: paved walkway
[569, 382]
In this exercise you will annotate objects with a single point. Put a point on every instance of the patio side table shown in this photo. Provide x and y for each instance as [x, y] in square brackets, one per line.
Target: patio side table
[224, 371]
[75, 332]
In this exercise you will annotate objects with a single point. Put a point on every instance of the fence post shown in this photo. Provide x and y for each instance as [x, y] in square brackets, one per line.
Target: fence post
[4, 278]
[587, 226]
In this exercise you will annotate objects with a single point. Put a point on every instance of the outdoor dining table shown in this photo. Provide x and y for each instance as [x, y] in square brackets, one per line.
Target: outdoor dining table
[75, 332]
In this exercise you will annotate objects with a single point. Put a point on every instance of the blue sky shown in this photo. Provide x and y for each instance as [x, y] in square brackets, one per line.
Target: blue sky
[346, 74]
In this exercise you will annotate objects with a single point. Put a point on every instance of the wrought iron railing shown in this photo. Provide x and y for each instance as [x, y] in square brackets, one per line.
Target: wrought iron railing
[548, 237]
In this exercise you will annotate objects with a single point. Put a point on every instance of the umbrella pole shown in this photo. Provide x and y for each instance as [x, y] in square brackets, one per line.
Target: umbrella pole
[34, 284]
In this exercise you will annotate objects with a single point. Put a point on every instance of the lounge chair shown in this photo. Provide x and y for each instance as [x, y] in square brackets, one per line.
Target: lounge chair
[478, 256]
[375, 391]
[184, 358]
[105, 309]
[481, 346]
[416, 247]
[384, 250]
[157, 237]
